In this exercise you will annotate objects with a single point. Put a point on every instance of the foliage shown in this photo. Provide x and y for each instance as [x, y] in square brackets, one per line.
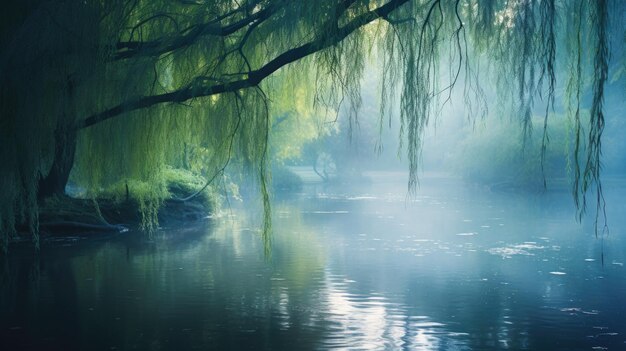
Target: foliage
[285, 179]
[149, 196]
[296, 120]
[117, 90]
[497, 155]
[131, 205]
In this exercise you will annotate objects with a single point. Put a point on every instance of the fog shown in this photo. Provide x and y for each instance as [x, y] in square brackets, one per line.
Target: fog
[475, 135]
[351, 266]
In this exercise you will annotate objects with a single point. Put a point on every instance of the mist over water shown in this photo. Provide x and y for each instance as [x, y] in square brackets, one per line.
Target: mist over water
[312, 175]
[361, 266]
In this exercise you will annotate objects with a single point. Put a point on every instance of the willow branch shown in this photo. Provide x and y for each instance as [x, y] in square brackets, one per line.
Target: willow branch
[132, 49]
[253, 78]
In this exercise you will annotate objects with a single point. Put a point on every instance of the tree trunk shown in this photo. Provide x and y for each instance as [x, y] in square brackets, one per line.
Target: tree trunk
[64, 150]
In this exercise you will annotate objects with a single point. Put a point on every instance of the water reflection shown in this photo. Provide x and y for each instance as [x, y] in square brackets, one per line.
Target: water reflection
[453, 269]
[373, 322]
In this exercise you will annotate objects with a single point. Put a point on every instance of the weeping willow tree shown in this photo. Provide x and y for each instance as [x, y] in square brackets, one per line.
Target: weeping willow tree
[111, 92]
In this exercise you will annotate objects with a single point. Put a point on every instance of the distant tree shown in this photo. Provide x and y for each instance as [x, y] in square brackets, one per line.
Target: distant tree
[109, 90]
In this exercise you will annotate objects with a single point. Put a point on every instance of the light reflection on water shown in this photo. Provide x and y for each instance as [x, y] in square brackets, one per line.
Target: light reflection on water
[366, 268]
[372, 322]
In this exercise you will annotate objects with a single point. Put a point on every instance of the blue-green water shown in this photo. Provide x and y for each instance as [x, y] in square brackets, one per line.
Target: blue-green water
[363, 267]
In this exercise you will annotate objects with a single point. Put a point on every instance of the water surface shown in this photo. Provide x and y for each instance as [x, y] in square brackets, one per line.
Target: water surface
[454, 268]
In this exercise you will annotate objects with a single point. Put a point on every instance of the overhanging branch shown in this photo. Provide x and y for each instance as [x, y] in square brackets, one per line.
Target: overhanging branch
[131, 49]
[254, 77]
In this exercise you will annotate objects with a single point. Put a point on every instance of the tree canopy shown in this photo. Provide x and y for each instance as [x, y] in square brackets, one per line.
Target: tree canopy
[111, 92]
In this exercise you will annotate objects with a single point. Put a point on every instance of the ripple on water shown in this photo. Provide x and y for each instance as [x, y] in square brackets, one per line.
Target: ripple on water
[578, 310]
[361, 198]
[370, 321]
[524, 249]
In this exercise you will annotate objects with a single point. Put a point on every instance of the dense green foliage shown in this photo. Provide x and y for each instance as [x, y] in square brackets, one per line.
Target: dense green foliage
[118, 90]
[497, 155]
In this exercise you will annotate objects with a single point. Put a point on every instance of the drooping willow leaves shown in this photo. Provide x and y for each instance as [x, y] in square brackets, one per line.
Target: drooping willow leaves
[121, 89]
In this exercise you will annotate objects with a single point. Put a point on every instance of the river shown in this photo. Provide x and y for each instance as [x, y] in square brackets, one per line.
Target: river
[364, 267]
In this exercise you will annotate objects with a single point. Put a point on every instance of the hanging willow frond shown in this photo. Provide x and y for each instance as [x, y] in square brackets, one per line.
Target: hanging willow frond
[137, 81]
